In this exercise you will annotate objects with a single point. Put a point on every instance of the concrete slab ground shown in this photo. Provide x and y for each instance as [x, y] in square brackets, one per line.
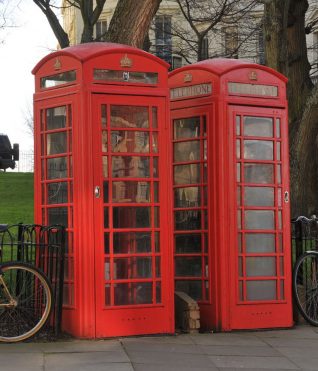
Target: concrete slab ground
[292, 349]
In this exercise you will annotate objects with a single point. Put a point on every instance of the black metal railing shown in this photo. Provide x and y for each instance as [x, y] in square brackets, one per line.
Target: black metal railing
[43, 246]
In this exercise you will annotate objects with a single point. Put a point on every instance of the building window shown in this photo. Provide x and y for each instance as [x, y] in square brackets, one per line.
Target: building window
[101, 29]
[163, 38]
[176, 62]
[231, 41]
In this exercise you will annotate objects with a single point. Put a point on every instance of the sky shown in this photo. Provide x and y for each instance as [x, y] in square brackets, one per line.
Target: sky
[23, 46]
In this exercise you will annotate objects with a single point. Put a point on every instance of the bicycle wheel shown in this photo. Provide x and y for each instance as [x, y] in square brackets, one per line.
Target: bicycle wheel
[32, 296]
[305, 286]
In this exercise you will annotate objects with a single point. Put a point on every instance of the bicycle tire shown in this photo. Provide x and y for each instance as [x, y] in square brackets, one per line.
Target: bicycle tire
[305, 286]
[34, 302]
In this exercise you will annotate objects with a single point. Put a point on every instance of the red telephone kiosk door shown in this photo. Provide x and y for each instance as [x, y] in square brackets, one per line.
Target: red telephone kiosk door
[260, 256]
[131, 229]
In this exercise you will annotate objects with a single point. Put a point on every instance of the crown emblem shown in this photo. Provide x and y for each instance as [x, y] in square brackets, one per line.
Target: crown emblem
[187, 77]
[126, 62]
[57, 64]
[252, 75]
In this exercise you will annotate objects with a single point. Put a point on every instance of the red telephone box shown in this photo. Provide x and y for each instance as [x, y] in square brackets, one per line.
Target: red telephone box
[101, 113]
[231, 193]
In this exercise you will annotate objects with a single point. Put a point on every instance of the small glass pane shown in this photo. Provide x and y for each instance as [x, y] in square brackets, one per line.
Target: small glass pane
[258, 150]
[186, 128]
[238, 196]
[131, 217]
[205, 150]
[106, 243]
[154, 143]
[259, 243]
[260, 266]
[105, 191]
[158, 292]
[191, 287]
[129, 117]
[107, 294]
[56, 118]
[239, 243]
[104, 141]
[157, 241]
[155, 167]
[57, 193]
[238, 125]
[279, 174]
[240, 267]
[132, 77]
[259, 173]
[278, 156]
[258, 196]
[158, 267]
[279, 220]
[261, 290]
[132, 267]
[188, 266]
[188, 243]
[132, 242]
[130, 166]
[156, 217]
[155, 117]
[279, 197]
[107, 269]
[280, 243]
[125, 192]
[239, 219]
[57, 215]
[281, 266]
[238, 148]
[241, 297]
[133, 293]
[238, 172]
[258, 126]
[187, 174]
[259, 219]
[130, 141]
[56, 143]
[278, 128]
[105, 166]
[187, 197]
[186, 151]
[106, 217]
[58, 79]
[156, 191]
[187, 220]
[104, 115]
[282, 290]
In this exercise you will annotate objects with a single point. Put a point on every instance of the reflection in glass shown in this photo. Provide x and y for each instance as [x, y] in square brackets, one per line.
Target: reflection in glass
[57, 168]
[259, 173]
[258, 196]
[132, 267]
[259, 243]
[258, 126]
[133, 293]
[258, 150]
[57, 215]
[155, 142]
[186, 151]
[261, 290]
[130, 166]
[259, 219]
[191, 287]
[104, 141]
[105, 166]
[188, 243]
[130, 141]
[187, 219]
[188, 266]
[56, 118]
[57, 193]
[187, 197]
[131, 217]
[186, 128]
[186, 174]
[132, 242]
[56, 143]
[104, 115]
[129, 117]
[131, 192]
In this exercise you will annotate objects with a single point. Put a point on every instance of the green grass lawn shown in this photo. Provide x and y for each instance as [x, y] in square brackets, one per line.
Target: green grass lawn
[16, 198]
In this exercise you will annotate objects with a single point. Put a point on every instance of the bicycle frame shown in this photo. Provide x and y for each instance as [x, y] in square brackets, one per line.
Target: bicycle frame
[11, 301]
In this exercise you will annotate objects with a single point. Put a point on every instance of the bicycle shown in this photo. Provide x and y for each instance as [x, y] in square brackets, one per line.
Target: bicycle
[305, 281]
[25, 301]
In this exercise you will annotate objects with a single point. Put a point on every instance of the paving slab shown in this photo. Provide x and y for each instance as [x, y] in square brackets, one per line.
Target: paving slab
[246, 339]
[22, 361]
[239, 350]
[161, 347]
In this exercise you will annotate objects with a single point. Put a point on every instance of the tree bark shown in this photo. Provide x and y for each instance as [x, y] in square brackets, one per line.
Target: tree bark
[131, 21]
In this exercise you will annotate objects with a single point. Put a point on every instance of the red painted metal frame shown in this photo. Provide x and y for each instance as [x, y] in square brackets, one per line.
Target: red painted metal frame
[86, 315]
[226, 311]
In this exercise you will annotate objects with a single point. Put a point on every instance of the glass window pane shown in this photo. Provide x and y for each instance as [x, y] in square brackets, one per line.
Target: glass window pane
[131, 192]
[57, 193]
[104, 141]
[259, 219]
[58, 79]
[105, 191]
[259, 173]
[158, 292]
[133, 293]
[187, 174]
[187, 197]
[56, 143]
[106, 217]
[132, 267]
[155, 117]
[261, 290]
[107, 294]
[258, 126]
[192, 288]
[260, 266]
[259, 243]
[186, 151]
[130, 166]
[187, 220]
[258, 196]
[132, 242]
[105, 166]
[238, 125]
[188, 266]
[129, 117]
[258, 150]
[186, 128]
[104, 115]
[278, 128]
[106, 243]
[188, 243]
[132, 77]
[56, 118]
[131, 217]
[278, 156]
[238, 148]
[57, 215]
[130, 141]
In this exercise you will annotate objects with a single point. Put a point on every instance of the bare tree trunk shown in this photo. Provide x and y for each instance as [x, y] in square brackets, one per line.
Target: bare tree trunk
[131, 21]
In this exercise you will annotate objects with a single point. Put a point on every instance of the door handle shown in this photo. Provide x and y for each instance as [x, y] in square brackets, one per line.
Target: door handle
[97, 192]
[286, 196]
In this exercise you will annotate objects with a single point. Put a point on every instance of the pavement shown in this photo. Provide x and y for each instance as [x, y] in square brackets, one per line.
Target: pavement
[292, 349]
